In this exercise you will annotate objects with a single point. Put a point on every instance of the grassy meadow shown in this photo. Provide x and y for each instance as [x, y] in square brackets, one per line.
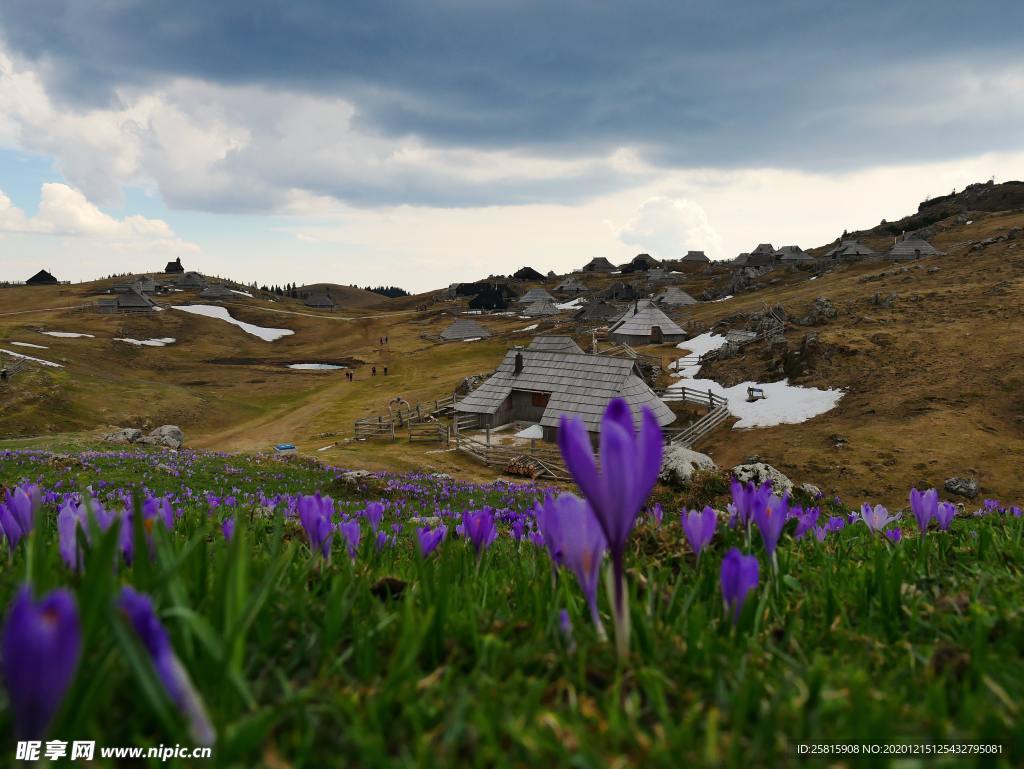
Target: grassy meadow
[378, 656]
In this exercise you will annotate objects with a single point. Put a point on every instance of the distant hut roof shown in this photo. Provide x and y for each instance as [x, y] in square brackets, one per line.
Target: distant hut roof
[741, 260]
[145, 284]
[465, 328]
[320, 301]
[134, 300]
[41, 278]
[540, 308]
[640, 320]
[527, 273]
[849, 249]
[794, 255]
[623, 291]
[554, 344]
[599, 264]
[598, 311]
[571, 283]
[913, 248]
[644, 262]
[491, 298]
[535, 295]
[191, 280]
[216, 291]
[174, 266]
[673, 296]
[764, 248]
[695, 256]
[579, 385]
[760, 259]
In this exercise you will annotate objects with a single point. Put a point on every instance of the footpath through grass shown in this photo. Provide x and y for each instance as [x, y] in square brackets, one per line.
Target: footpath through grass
[379, 656]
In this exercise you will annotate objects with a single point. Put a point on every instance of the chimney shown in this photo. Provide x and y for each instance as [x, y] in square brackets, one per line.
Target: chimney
[636, 307]
[518, 365]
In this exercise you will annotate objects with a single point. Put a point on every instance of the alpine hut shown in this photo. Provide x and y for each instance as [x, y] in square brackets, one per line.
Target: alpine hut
[216, 291]
[527, 273]
[596, 313]
[848, 251]
[320, 302]
[762, 256]
[794, 255]
[623, 292]
[913, 248]
[644, 323]
[696, 257]
[599, 264]
[535, 295]
[540, 308]
[554, 344]
[673, 296]
[464, 329]
[41, 278]
[641, 263]
[541, 386]
[571, 285]
[174, 267]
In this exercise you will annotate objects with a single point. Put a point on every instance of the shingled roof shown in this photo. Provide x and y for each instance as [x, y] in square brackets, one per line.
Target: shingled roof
[541, 307]
[673, 296]
[554, 344]
[913, 248]
[580, 385]
[849, 249]
[535, 295]
[640, 320]
[599, 264]
[465, 328]
[695, 256]
[597, 311]
[571, 284]
[41, 278]
[794, 255]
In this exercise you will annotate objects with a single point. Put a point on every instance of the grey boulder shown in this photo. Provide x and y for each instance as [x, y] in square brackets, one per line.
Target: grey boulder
[759, 472]
[124, 435]
[962, 487]
[680, 463]
[169, 436]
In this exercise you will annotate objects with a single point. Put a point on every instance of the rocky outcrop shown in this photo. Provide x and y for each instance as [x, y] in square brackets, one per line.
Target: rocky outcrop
[680, 463]
[822, 311]
[962, 487]
[759, 472]
[169, 436]
[123, 435]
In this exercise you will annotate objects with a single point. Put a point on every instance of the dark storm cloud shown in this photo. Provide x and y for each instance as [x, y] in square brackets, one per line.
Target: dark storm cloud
[790, 83]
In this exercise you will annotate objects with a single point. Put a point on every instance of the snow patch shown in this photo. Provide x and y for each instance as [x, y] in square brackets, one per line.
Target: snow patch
[783, 404]
[315, 367]
[571, 305]
[14, 354]
[241, 293]
[161, 342]
[221, 313]
[66, 334]
[529, 328]
[723, 299]
[27, 344]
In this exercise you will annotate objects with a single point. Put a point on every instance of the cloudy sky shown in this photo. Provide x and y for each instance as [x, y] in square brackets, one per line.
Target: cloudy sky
[420, 143]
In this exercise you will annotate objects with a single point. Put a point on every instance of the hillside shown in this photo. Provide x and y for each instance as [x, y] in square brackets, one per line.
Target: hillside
[927, 354]
[346, 296]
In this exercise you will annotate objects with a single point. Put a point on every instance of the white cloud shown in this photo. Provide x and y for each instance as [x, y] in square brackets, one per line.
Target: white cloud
[667, 227]
[66, 212]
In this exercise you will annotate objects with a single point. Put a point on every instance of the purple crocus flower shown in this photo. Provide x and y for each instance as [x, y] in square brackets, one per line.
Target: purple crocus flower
[770, 517]
[657, 514]
[617, 488]
[138, 608]
[894, 534]
[548, 522]
[807, 521]
[518, 529]
[479, 528]
[374, 513]
[944, 514]
[11, 529]
[699, 528]
[351, 533]
[565, 626]
[579, 544]
[24, 502]
[739, 577]
[70, 517]
[42, 641]
[428, 539]
[876, 518]
[315, 516]
[747, 499]
[227, 528]
[924, 505]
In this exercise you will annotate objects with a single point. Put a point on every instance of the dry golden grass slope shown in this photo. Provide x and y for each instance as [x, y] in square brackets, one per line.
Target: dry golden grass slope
[935, 383]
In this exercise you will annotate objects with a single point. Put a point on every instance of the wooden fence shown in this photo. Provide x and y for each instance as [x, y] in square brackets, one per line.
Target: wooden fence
[537, 461]
[386, 425]
[718, 412]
